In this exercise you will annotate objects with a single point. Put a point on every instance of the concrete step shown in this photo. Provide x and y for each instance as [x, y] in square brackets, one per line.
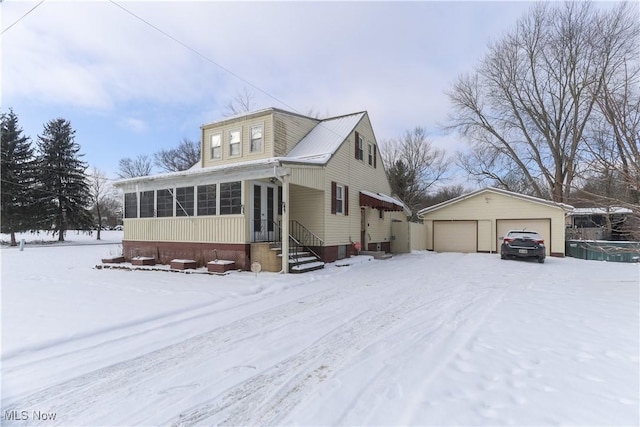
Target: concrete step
[302, 259]
[310, 266]
[377, 254]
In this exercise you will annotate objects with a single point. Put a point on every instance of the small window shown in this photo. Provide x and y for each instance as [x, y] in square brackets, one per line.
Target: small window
[360, 151]
[380, 214]
[230, 198]
[371, 154]
[130, 205]
[184, 201]
[216, 146]
[339, 199]
[206, 200]
[234, 143]
[256, 139]
[146, 204]
[164, 203]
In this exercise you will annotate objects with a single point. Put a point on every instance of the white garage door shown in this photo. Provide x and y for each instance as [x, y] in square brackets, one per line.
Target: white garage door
[455, 236]
[542, 226]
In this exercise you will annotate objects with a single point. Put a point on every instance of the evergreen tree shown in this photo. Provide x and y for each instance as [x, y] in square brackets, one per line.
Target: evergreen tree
[66, 194]
[18, 176]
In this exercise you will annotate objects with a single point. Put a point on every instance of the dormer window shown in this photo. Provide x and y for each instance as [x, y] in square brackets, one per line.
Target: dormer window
[255, 146]
[234, 143]
[216, 146]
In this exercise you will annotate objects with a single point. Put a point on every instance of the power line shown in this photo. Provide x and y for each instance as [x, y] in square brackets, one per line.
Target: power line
[22, 17]
[200, 54]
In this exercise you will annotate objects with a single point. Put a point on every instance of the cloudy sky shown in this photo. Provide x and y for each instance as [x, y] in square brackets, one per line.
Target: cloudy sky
[135, 77]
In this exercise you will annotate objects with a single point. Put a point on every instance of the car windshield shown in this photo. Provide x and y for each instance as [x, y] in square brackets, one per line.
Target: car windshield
[524, 235]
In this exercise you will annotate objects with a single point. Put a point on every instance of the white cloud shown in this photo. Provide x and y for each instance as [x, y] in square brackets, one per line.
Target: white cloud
[135, 125]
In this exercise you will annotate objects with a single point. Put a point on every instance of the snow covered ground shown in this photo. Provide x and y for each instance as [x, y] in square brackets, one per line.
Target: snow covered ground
[421, 339]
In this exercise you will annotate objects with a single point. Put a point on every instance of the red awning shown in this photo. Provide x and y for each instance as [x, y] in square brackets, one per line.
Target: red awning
[380, 201]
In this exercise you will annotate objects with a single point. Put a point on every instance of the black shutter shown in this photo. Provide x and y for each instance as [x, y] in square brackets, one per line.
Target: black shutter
[375, 157]
[333, 197]
[345, 196]
[357, 152]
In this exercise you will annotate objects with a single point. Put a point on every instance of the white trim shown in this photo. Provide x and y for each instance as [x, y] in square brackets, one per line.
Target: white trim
[229, 132]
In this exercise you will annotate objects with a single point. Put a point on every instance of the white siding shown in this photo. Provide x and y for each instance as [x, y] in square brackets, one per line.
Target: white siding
[307, 207]
[344, 169]
[244, 124]
[206, 229]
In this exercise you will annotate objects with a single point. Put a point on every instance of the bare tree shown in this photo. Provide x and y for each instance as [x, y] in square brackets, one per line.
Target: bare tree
[243, 102]
[413, 166]
[184, 156]
[103, 195]
[131, 168]
[526, 107]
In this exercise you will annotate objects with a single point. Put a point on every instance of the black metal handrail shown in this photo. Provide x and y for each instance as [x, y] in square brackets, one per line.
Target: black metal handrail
[301, 237]
[266, 231]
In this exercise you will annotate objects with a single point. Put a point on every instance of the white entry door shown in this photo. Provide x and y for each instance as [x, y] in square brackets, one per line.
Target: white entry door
[264, 208]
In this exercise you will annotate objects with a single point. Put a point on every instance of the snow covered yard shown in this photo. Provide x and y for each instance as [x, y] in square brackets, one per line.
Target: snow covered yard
[421, 339]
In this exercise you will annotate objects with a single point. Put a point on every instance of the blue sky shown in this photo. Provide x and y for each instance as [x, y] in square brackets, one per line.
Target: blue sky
[129, 89]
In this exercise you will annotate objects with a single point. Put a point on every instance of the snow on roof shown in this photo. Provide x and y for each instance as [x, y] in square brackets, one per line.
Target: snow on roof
[600, 211]
[319, 145]
[500, 191]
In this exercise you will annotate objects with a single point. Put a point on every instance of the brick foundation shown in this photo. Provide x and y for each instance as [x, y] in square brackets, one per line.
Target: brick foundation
[202, 253]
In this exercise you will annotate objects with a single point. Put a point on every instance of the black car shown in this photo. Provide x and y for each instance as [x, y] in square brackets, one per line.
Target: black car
[523, 244]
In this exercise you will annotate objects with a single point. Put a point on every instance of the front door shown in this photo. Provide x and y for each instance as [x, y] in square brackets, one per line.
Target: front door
[263, 212]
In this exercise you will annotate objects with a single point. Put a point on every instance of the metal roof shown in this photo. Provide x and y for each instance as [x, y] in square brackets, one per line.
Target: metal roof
[319, 145]
[563, 206]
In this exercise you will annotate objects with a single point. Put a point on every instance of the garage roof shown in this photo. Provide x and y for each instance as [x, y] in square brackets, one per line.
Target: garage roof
[532, 199]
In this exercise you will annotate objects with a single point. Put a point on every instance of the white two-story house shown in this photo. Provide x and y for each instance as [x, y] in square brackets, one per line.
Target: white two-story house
[267, 178]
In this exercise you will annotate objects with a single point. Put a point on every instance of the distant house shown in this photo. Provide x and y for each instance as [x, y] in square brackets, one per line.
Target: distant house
[267, 179]
[598, 223]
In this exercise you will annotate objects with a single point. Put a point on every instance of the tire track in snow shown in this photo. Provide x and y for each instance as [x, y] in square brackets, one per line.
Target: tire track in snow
[74, 396]
[266, 398]
[457, 320]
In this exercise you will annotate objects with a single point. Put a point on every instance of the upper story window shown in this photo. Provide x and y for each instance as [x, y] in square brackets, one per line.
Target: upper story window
[230, 198]
[184, 201]
[130, 205]
[216, 146]
[371, 154]
[234, 143]
[164, 203]
[255, 146]
[360, 148]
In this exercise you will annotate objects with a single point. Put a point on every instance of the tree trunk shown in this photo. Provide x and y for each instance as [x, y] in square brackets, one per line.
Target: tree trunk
[13, 239]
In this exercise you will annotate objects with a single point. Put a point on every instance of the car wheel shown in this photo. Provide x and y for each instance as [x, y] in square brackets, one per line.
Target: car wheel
[541, 260]
[503, 256]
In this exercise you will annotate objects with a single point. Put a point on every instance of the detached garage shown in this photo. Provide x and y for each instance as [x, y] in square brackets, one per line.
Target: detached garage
[475, 222]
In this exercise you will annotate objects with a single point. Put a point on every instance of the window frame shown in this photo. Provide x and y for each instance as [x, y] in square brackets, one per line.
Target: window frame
[234, 198]
[370, 154]
[218, 147]
[360, 148]
[239, 142]
[251, 138]
[204, 207]
[164, 203]
[147, 204]
[339, 199]
[184, 203]
[131, 205]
